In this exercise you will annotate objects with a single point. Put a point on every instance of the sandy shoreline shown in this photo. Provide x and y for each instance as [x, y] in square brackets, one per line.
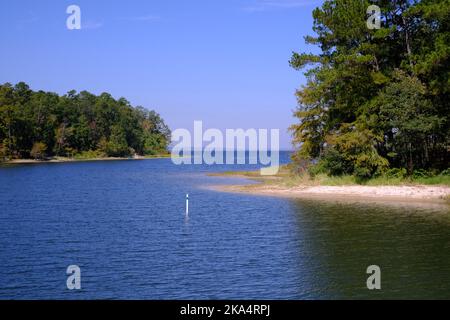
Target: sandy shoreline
[427, 193]
[31, 161]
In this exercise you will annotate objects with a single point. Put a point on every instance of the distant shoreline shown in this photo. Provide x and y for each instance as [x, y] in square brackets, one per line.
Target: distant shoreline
[276, 187]
[67, 159]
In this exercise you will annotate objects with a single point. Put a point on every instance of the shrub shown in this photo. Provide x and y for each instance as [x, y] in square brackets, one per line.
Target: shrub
[91, 154]
[38, 150]
[397, 173]
[421, 173]
[334, 164]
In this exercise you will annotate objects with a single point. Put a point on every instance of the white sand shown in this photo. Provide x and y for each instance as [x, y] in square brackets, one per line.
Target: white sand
[401, 193]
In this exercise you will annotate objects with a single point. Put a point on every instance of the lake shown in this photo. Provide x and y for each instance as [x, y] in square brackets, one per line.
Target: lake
[123, 223]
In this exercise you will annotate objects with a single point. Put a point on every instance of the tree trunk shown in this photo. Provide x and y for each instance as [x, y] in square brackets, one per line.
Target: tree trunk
[410, 164]
[408, 42]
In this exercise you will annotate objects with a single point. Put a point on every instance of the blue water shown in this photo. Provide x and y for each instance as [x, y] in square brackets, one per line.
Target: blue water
[123, 223]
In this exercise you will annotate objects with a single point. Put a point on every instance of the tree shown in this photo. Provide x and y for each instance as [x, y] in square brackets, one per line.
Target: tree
[4, 152]
[408, 121]
[75, 123]
[117, 145]
[375, 98]
[38, 150]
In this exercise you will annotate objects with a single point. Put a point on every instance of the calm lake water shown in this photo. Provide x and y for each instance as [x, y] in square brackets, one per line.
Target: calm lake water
[123, 223]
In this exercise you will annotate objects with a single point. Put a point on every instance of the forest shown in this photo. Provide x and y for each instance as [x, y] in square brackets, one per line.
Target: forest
[39, 125]
[376, 100]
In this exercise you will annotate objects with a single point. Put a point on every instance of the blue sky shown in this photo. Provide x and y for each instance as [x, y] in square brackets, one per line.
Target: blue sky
[224, 62]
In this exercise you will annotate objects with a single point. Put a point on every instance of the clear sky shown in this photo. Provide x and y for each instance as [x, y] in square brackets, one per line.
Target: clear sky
[224, 62]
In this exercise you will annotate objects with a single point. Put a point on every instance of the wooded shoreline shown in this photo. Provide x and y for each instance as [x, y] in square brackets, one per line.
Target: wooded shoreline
[66, 159]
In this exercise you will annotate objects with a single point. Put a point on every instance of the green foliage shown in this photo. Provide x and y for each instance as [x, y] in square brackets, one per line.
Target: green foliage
[409, 122]
[421, 173]
[396, 173]
[375, 99]
[334, 164]
[154, 144]
[117, 145]
[75, 124]
[90, 154]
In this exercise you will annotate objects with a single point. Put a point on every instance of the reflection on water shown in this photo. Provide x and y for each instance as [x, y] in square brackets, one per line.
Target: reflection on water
[411, 246]
[124, 224]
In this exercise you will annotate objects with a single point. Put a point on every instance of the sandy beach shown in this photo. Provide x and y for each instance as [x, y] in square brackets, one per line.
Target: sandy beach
[275, 186]
[426, 193]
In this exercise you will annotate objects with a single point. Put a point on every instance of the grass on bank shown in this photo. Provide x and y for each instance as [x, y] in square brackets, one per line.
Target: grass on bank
[286, 178]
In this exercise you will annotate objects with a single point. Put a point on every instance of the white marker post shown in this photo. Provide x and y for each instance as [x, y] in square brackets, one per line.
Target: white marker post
[187, 205]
